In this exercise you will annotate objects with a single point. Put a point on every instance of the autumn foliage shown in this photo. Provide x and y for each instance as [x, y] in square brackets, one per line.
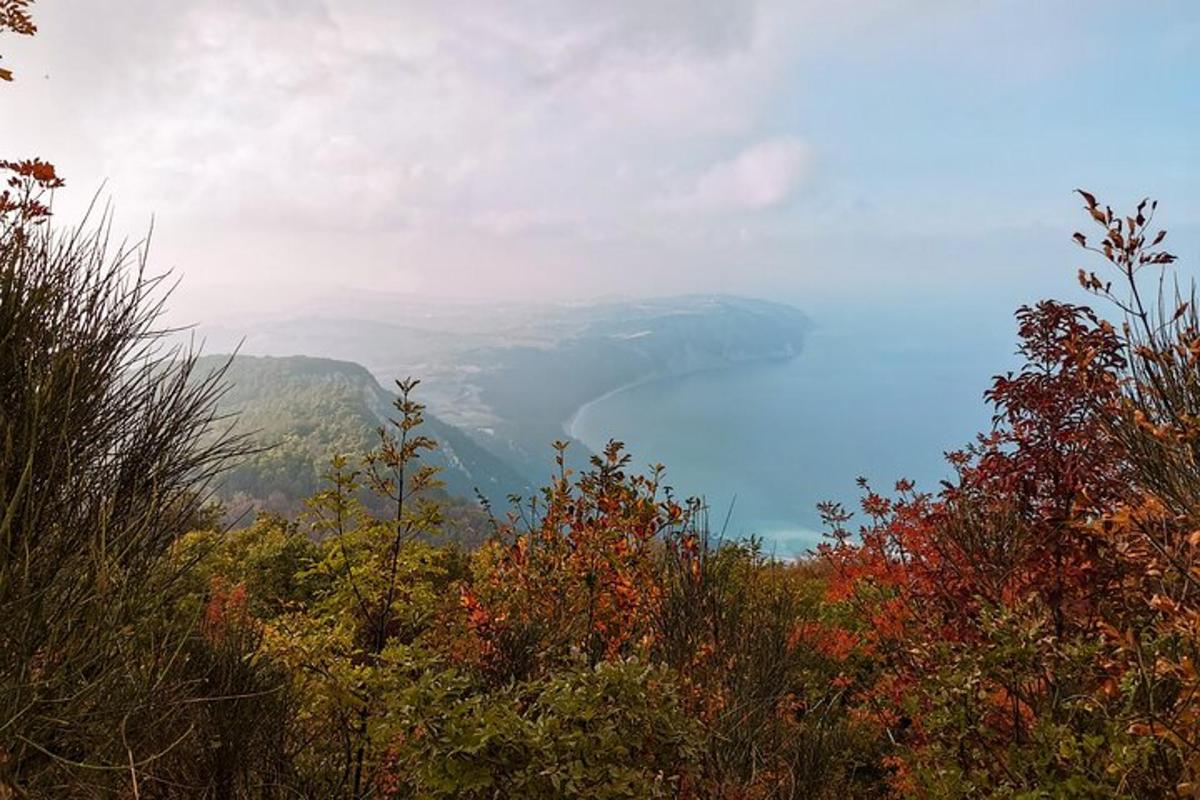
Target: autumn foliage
[582, 574]
[27, 185]
[1035, 621]
[1029, 629]
[15, 18]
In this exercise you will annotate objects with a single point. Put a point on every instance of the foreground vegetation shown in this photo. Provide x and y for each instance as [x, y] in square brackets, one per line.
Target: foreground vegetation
[1030, 630]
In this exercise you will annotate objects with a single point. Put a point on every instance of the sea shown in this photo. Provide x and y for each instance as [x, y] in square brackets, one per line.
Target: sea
[763, 442]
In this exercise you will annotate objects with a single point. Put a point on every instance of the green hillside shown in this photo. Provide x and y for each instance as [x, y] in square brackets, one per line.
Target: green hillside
[304, 410]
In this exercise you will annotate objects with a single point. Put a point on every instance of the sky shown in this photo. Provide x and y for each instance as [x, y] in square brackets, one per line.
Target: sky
[876, 152]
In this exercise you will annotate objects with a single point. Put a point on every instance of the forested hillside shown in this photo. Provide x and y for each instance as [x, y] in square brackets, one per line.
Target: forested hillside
[300, 412]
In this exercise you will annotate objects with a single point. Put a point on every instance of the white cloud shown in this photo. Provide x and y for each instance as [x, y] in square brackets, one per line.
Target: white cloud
[553, 146]
[375, 115]
[762, 176]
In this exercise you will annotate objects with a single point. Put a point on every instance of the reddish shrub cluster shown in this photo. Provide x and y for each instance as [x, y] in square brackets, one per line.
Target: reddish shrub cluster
[227, 611]
[582, 574]
[1046, 598]
[27, 185]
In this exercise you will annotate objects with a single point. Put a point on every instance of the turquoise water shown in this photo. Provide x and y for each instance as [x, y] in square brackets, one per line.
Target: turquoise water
[771, 439]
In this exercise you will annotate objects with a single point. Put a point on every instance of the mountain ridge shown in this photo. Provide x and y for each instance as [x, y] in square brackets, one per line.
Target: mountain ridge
[510, 377]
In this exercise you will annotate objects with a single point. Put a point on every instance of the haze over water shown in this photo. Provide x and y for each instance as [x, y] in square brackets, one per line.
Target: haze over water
[775, 438]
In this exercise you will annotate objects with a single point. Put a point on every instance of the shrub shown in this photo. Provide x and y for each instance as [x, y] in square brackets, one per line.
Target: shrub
[615, 730]
[105, 447]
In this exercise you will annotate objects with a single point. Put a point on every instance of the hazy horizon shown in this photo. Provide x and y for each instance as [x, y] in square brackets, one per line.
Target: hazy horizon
[560, 151]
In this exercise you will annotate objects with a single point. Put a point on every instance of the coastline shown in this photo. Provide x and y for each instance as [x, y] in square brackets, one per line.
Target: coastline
[571, 423]
[781, 538]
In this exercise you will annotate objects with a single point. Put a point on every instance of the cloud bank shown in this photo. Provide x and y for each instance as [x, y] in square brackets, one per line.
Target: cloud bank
[544, 147]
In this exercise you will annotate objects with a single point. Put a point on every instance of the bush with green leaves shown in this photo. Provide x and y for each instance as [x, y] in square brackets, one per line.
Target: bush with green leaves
[616, 730]
[106, 445]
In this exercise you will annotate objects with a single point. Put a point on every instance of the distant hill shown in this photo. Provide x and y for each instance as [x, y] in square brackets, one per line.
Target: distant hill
[304, 410]
[515, 397]
[511, 376]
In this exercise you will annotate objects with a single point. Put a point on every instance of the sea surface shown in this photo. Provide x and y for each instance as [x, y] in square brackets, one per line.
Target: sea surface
[764, 442]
